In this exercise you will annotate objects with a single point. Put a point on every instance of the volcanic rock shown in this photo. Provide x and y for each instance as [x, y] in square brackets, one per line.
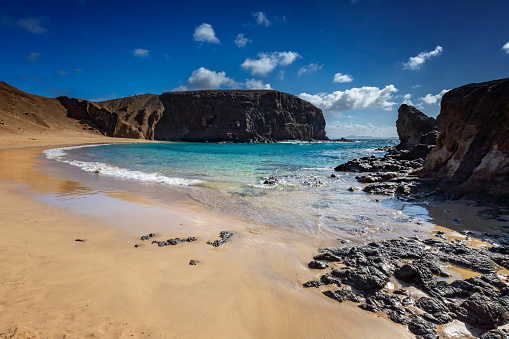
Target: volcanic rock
[472, 152]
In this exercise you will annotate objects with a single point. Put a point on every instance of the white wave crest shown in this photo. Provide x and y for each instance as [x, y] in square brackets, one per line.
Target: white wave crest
[59, 154]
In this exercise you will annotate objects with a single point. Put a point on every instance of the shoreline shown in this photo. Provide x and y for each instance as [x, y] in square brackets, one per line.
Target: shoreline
[56, 286]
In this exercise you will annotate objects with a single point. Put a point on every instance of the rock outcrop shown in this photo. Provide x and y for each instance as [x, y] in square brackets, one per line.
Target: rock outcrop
[415, 127]
[217, 116]
[472, 151]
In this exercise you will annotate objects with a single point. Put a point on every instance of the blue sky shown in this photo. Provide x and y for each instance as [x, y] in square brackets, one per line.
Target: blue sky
[357, 60]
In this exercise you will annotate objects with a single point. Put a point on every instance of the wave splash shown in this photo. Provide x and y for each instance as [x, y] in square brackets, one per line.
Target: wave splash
[59, 154]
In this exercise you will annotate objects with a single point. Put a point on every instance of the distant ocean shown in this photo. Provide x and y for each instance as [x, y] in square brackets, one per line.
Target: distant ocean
[233, 178]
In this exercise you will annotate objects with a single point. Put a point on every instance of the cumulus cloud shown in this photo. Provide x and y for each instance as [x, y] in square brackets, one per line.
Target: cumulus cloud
[203, 78]
[354, 98]
[415, 63]
[416, 86]
[205, 33]
[34, 56]
[256, 84]
[506, 47]
[261, 19]
[34, 24]
[341, 78]
[140, 52]
[407, 99]
[267, 62]
[241, 41]
[434, 99]
[309, 69]
[336, 129]
[281, 75]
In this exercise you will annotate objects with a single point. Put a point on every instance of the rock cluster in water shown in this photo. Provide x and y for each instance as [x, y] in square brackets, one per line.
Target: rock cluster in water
[394, 173]
[364, 272]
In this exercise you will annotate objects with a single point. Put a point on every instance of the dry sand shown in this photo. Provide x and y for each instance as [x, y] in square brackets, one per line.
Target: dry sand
[54, 287]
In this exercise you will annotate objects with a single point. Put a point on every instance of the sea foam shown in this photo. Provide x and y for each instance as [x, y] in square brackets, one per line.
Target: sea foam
[60, 154]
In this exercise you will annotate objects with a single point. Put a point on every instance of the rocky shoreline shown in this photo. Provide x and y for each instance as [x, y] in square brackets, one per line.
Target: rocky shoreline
[364, 274]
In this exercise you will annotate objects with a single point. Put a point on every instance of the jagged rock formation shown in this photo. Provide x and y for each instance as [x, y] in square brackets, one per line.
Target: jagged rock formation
[414, 127]
[472, 152]
[215, 116]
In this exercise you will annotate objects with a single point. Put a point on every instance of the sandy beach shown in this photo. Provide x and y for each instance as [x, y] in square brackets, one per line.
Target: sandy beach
[54, 286]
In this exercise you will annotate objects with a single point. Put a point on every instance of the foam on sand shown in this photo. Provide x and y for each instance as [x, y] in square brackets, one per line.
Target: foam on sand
[59, 154]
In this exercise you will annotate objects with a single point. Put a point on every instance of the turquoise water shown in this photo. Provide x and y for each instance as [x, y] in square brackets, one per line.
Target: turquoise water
[232, 178]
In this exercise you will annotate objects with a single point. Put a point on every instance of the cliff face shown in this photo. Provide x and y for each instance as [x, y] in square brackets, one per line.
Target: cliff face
[238, 116]
[215, 116]
[472, 151]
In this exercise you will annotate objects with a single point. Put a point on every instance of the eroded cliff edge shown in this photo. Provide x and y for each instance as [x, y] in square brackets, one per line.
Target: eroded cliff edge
[214, 116]
[472, 152]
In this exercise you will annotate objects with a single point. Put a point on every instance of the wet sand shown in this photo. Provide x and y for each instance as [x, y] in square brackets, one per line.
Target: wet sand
[53, 286]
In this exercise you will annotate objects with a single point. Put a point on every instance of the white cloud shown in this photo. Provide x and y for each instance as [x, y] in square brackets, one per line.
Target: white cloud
[407, 99]
[341, 78]
[205, 33]
[506, 47]
[308, 69]
[34, 24]
[281, 75]
[434, 99]
[416, 86]
[415, 63]
[261, 19]
[203, 78]
[140, 52]
[241, 41]
[62, 72]
[267, 62]
[78, 70]
[256, 84]
[34, 56]
[354, 98]
[336, 129]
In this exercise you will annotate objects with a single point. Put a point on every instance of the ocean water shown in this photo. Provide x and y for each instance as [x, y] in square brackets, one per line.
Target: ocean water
[302, 195]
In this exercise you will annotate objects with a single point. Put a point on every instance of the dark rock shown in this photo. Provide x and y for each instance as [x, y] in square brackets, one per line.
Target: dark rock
[398, 316]
[472, 153]
[144, 237]
[431, 305]
[191, 239]
[483, 312]
[193, 262]
[413, 126]
[312, 283]
[271, 181]
[319, 265]
[439, 318]
[365, 279]
[224, 235]
[80, 240]
[419, 326]
[173, 242]
[408, 301]
[151, 235]
[137, 245]
[495, 334]
[369, 307]
[328, 280]
[401, 292]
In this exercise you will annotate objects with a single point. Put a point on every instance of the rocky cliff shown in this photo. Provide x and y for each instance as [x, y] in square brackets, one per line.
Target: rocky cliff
[472, 152]
[219, 115]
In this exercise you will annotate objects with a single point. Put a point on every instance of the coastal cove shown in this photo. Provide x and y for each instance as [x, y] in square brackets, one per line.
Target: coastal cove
[251, 287]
